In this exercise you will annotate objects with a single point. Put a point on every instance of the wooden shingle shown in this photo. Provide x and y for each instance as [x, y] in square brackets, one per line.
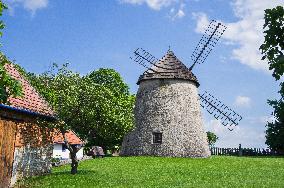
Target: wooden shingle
[168, 67]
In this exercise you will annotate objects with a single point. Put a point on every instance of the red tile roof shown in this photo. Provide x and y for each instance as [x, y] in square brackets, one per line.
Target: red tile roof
[71, 137]
[31, 100]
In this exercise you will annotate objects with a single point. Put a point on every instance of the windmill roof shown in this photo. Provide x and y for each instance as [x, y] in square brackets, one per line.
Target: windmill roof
[168, 67]
[30, 101]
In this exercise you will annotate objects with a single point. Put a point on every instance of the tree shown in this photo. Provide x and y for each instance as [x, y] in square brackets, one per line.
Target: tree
[212, 138]
[99, 113]
[273, 46]
[272, 50]
[115, 109]
[2, 25]
[110, 79]
[59, 87]
[8, 85]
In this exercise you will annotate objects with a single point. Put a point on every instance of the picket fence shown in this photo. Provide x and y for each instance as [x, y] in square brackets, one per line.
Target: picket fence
[243, 151]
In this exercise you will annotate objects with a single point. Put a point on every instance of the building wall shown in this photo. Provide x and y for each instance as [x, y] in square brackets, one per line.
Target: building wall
[172, 107]
[58, 153]
[80, 153]
[31, 161]
[32, 149]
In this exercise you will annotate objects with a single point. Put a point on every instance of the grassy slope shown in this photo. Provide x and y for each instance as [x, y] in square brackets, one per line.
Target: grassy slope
[167, 172]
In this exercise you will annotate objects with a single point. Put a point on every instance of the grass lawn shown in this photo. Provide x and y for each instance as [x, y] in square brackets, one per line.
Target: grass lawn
[167, 172]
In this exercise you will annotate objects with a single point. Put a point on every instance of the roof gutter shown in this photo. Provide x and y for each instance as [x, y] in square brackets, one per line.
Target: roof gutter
[28, 112]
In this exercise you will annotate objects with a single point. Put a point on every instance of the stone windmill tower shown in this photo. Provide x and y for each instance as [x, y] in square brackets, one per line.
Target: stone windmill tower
[168, 119]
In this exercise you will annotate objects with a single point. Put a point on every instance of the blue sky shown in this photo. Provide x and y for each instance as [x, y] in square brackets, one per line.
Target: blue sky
[94, 34]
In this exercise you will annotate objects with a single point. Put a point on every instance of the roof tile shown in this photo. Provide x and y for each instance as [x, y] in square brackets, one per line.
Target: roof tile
[31, 100]
[71, 137]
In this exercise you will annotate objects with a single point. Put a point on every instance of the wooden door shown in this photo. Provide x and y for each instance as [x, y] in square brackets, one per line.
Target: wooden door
[7, 145]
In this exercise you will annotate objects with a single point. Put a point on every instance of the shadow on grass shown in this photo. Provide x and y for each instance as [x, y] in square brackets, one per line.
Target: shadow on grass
[31, 181]
[67, 172]
[63, 173]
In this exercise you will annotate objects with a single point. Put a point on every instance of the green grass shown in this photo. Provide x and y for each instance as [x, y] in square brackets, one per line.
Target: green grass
[167, 172]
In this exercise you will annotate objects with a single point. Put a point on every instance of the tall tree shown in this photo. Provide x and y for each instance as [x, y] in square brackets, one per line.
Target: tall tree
[99, 114]
[273, 51]
[115, 109]
[59, 87]
[110, 79]
[8, 85]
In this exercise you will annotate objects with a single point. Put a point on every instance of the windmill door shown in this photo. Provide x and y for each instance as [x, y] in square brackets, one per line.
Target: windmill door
[7, 140]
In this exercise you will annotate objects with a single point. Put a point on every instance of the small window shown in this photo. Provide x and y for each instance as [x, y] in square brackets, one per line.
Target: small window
[157, 138]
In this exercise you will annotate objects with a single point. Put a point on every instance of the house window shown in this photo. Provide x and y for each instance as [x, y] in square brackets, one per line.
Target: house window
[157, 138]
[64, 147]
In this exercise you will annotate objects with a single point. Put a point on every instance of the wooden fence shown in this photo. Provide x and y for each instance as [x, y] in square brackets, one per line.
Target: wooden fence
[243, 151]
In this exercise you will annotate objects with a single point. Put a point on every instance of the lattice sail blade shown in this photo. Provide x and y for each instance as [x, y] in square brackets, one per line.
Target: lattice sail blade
[144, 58]
[208, 41]
[220, 111]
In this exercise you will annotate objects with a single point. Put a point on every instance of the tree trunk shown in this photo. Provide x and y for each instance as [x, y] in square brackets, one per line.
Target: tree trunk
[73, 150]
[75, 161]
[74, 166]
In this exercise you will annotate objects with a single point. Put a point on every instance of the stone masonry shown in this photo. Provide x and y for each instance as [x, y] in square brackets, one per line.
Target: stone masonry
[169, 106]
[29, 161]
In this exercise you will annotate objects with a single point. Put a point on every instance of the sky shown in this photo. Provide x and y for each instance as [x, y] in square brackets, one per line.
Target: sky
[93, 34]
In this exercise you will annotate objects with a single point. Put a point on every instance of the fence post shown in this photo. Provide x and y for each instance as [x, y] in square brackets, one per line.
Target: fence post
[240, 150]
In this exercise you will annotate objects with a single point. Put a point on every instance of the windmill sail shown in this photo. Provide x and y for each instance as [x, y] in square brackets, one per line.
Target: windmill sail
[144, 58]
[208, 41]
[220, 111]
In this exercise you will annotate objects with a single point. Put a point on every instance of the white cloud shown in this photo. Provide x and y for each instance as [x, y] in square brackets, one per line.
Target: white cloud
[216, 127]
[248, 136]
[180, 13]
[247, 32]
[177, 14]
[261, 120]
[154, 4]
[176, 6]
[242, 101]
[202, 21]
[30, 5]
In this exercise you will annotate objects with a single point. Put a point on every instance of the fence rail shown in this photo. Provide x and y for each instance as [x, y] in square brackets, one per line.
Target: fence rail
[243, 151]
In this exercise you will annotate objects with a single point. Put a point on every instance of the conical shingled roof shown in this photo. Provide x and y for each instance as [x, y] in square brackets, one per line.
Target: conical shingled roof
[168, 67]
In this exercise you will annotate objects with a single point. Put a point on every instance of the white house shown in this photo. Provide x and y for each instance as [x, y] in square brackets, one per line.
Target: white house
[59, 149]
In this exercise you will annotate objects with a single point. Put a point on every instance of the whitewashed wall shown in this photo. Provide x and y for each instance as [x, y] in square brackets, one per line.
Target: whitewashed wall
[30, 161]
[58, 153]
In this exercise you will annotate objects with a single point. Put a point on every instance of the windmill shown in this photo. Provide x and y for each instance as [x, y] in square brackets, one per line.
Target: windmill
[167, 111]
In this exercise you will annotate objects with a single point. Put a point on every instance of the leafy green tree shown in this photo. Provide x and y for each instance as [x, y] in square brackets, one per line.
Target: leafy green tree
[8, 85]
[272, 50]
[212, 138]
[115, 108]
[91, 105]
[59, 87]
[2, 8]
[110, 79]
[273, 46]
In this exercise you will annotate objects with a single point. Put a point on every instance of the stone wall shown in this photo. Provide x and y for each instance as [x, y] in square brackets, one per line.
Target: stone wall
[171, 107]
[29, 161]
